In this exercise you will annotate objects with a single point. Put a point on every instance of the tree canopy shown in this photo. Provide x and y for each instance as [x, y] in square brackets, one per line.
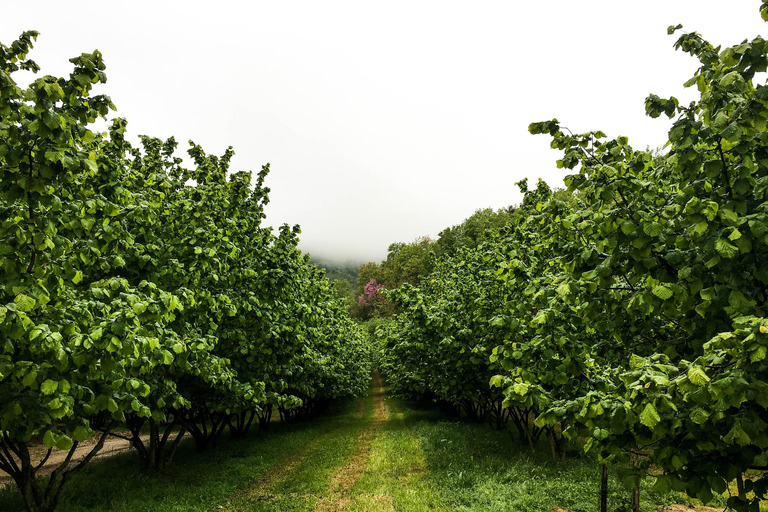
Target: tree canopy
[137, 291]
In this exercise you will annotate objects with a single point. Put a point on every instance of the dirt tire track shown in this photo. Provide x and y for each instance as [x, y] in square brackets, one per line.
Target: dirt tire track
[693, 508]
[112, 446]
[261, 489]
[346, 476]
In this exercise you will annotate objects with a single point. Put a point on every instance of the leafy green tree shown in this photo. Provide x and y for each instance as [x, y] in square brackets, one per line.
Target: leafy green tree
[477, 228]
[631, 308]
[76, 346]
[199, 214]
[665, 264]
[407, 263]
[142, 294]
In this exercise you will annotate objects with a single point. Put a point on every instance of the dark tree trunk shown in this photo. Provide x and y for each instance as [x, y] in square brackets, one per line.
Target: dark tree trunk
[603, 506]
[740, 487]
[157, 453]
[15, 460]
[205, 428]
[636, 499]
[240, 423]
[265, 418]
[557, 443]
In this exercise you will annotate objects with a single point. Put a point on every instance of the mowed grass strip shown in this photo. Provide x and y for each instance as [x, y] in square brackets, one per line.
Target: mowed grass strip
[423, 460]
[347, 475]
[264, 488]
[302, 485]
[395, 477]
[479, 469]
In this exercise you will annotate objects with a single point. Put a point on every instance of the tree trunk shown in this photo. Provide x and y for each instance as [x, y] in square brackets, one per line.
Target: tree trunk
[197, 426]
[556, 444]
[740, 487]
[265, 417]
[603, 506]
[158, 453]
[15, 459]
[240, 423]
[636, 499]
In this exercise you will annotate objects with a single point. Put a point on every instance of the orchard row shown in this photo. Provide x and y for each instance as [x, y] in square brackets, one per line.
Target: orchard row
[627, 312]
[142, 296]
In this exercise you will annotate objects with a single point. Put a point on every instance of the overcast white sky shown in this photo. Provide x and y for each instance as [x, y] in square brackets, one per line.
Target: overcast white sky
[383, 121]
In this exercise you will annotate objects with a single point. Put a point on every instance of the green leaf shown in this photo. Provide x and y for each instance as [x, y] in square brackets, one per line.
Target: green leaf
[82, 433]
[729, 216]
[758, 228]
[662, 291]
[49, 439]
[652, 229]
[739, 302]
[24, 303]
[758, 354]
[662, 484]
[29, 378]
[649, 417]
[87, 223]
[726, 249]
[737, 436]
[63, 442]
[699, 415]
[697, 376]
[49, 387]
[520, 388]
[627, 228]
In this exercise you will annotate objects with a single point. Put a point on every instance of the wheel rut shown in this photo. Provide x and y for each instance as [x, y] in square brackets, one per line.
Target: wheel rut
[278, 484]
[263, 488]
[347, 475]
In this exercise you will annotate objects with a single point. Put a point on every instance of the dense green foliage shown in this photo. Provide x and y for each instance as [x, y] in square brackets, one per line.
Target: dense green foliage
[476, 229]
[338, 270]
[139, 293]
[409, 263]
[629, 310]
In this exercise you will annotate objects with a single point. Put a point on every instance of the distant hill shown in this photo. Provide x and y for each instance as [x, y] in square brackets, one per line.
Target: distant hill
[336, 270]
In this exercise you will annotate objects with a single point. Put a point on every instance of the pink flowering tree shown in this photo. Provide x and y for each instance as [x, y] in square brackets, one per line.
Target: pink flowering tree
[370, 295]
[371, 303]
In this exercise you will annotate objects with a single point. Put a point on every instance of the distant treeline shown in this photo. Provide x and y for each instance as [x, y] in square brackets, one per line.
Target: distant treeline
[338, 271]
[407, 263]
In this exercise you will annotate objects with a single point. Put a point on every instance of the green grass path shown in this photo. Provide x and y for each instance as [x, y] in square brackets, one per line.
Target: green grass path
[373, 454]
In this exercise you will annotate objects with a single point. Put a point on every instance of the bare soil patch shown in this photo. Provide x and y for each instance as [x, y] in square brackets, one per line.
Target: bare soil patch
[673, 508]
[112, 446]
[692, 508]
